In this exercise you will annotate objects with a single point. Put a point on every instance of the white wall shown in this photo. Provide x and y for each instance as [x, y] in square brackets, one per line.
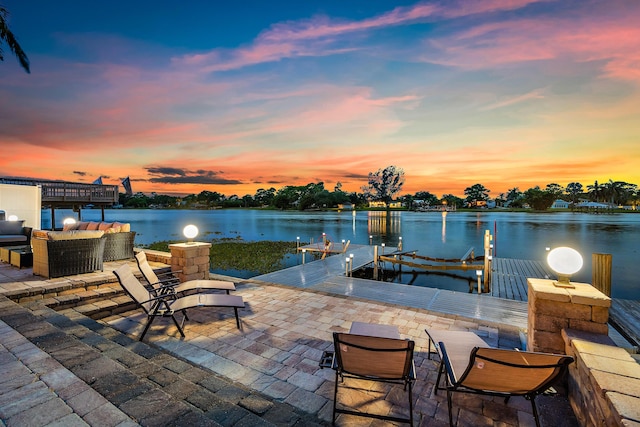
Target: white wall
[25, 201]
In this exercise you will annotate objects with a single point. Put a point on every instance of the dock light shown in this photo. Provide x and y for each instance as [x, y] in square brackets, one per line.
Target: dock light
[190, 232]
[479, 274]
[304, 252]
[297, 241]
[565, 262]
[13, 217]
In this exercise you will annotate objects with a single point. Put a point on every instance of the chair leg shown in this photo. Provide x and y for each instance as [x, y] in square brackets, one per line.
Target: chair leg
[178, 324]
[235, 310]
[449, 406]
[440, 369]
[146, 327]
[535, 410]
[410, 406]
[335, 398]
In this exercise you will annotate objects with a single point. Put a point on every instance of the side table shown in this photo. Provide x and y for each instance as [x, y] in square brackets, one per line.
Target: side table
[21, 257]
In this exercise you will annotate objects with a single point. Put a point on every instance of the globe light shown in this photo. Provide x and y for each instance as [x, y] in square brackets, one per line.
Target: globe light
[13, 217]
[68, 221]
[565, 262]
[190, 232]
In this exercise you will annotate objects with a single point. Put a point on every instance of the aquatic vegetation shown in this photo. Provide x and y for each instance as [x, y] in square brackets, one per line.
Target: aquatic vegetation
[260, 257]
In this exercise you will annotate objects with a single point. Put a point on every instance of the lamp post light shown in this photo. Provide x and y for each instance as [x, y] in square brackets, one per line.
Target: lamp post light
[304, 252]
[370, 240]
[382, 244]
[297, 242]
[346, 266]
[565, 262]
[400, 243]
[479, 275]
[190, 232]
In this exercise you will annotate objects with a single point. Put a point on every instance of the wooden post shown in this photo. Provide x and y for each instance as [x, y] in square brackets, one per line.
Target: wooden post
[487, 252]
[601, 273]
[375, 262]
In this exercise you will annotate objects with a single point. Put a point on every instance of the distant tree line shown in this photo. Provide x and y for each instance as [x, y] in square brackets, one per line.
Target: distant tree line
[385, 185]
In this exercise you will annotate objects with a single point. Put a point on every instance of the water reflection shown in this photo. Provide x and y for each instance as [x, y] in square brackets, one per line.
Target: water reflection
[385, 224]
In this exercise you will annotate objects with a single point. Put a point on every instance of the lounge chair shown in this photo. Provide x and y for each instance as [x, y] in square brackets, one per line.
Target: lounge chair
[171, 283]
[472, 366]
[376, 359]
[157, 304]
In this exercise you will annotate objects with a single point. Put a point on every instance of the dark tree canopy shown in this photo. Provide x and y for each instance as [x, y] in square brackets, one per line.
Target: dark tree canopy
[384, 184]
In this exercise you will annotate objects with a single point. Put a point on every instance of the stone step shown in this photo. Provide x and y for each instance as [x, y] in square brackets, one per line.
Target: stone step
[152, 387]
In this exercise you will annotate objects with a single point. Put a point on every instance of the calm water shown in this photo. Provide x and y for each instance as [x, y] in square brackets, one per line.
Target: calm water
[517, 235]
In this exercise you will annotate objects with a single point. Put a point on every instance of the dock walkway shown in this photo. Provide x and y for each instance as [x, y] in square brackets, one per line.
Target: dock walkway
[328, 276]
[509, 277]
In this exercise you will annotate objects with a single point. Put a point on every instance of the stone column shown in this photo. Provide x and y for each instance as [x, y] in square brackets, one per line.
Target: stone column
[190, 261]
[552, 309]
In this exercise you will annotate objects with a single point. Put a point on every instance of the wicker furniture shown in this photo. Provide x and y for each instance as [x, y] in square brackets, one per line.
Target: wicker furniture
[13, 233]
[57, 258]
[119, 245]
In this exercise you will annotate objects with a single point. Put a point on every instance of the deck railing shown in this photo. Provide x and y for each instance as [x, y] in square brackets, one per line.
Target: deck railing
[61, 192]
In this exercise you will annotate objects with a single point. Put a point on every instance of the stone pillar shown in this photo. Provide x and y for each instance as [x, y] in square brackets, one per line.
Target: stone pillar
[191, 259]
[552, 309]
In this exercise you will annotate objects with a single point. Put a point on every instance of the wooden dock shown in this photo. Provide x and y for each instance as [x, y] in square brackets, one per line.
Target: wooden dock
[624, 316]
[509, 277]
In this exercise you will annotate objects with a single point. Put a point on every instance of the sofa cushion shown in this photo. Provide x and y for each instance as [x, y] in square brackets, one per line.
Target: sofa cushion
[15, 238]
[93, 225]
[75, 234]
[82, 225]
[104, 226]
[124, 227]
[11, 227]
[72, 226]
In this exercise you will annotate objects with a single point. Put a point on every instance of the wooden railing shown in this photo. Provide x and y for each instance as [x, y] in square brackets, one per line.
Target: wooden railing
[70, 192]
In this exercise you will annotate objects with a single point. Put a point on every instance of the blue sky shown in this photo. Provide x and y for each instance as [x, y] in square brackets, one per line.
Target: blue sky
[232, 97]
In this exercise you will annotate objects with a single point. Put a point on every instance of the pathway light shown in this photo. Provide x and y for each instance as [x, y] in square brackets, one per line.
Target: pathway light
[190, 232]
[564, 261]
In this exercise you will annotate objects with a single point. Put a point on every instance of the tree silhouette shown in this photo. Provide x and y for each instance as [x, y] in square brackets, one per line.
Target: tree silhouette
[6, 36]
[384, 184]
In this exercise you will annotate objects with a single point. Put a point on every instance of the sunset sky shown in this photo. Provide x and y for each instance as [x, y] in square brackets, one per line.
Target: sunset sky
[235, 96]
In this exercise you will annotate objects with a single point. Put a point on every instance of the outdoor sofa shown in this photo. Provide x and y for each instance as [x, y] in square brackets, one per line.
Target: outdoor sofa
[14, 233]
[81, 248]
[66, 253]
[118, 237]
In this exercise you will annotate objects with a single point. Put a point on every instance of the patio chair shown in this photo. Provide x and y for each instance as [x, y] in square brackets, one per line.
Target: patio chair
[156, 304]
[376, 359]
[495, 372]
[169, 283]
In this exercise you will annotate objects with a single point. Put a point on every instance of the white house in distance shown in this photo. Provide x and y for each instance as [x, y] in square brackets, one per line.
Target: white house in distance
[560, 204]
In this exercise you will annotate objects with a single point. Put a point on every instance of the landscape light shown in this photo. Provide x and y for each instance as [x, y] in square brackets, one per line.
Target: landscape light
[565, 262]
[190, 232]
[13, 217]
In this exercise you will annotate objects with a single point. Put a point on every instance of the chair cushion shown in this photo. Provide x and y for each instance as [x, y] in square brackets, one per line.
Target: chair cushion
[75, 234]
[11, 227]
[82, 225]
